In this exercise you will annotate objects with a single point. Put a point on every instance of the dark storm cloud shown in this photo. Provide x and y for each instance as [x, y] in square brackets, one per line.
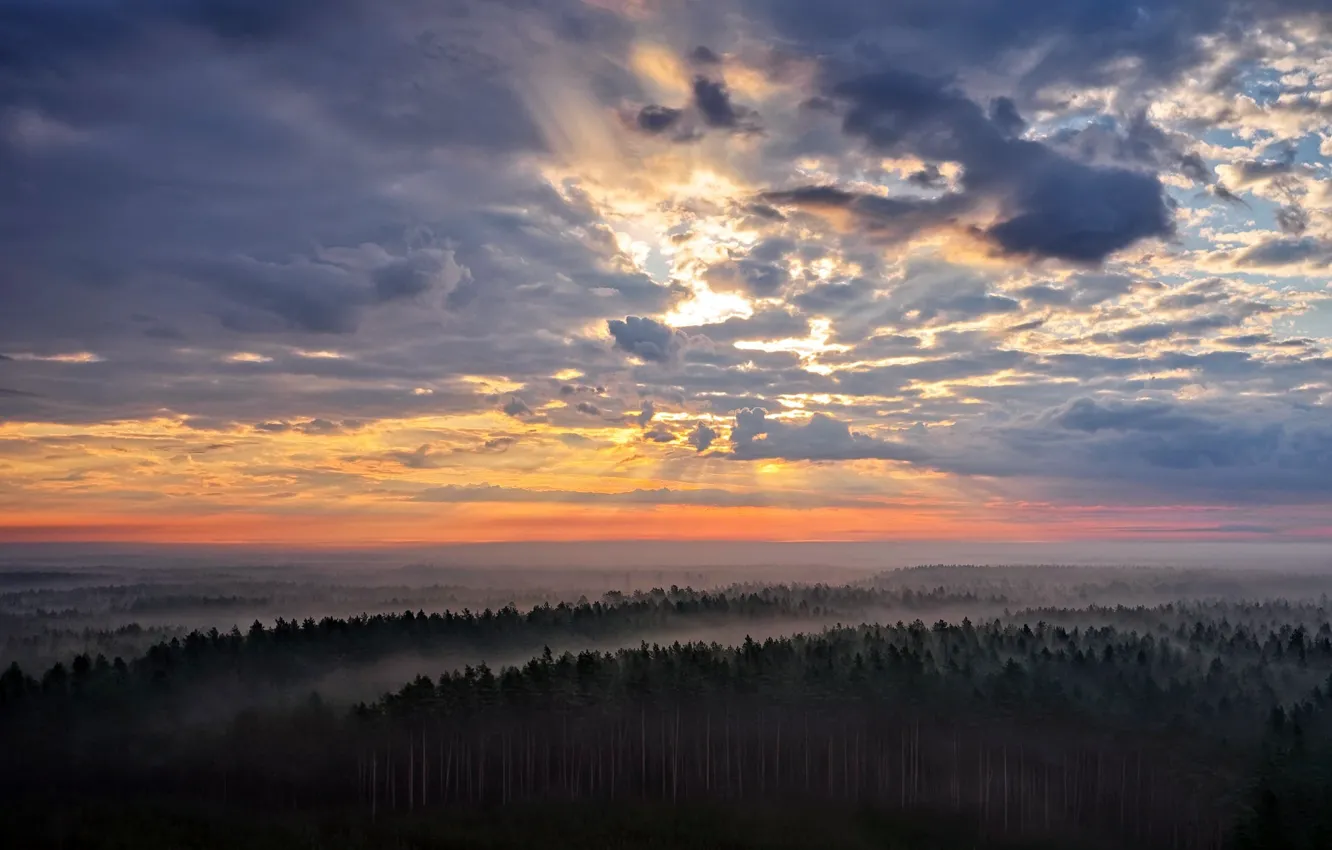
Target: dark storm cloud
[646, 339]
[516, 408]
[658, 119]
[1052, 205]
[713, 102]
[712, 105]
[929, 177]
[702, 437]
[704, 55]
[645, 414]
[415, 275]
[1004, 115]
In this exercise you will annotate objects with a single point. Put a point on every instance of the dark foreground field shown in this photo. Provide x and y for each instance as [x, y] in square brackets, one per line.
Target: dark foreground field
[971, 707]
[575, 826]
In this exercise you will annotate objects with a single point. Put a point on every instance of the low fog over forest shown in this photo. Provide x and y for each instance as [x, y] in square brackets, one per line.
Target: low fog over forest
[435, 704]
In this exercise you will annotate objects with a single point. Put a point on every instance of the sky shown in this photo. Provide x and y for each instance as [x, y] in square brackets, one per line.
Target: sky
[360, 272]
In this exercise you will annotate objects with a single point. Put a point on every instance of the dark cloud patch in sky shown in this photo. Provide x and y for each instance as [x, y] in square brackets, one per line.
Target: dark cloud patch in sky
[704, 55]
[819, 438]
[1084, 414]
[1156, 331]
[928, 177]
[517, 408]
[713, 102]
[885, 219]
[1292, 219]
[1052, 206]
[415, 275]
[1285, 251]
[702, 437]
[646, 339]
[646, 412]
[658, 119]
[1004, 115]
[659, 435]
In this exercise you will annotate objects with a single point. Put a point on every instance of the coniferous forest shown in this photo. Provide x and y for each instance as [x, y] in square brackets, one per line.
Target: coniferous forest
[930, 707]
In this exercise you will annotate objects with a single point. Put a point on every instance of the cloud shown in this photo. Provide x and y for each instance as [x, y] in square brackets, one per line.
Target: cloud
[312, 427]
[658, 496]
[423, 456]
[659, 435]
[1158, 449]
[759, 280]
[1084, 43]
[516, 408]
[1285, 251]
[1155, 331]
[702, 437]
[658, 119]
[1052, 206]
[645, 338]
[1292, 219]
[885, 219]
[1084, 414]
[821, 437]
[645, 414]
[713, 102]
[703, 55]
[1082, 292]
[764, 325]
[416, 274]
[932, 294]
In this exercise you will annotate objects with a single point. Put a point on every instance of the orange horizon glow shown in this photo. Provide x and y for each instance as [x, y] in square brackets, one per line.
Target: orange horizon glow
[490, 523]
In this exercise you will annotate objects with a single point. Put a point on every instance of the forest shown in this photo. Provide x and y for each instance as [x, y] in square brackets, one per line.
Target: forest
[939, 706]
